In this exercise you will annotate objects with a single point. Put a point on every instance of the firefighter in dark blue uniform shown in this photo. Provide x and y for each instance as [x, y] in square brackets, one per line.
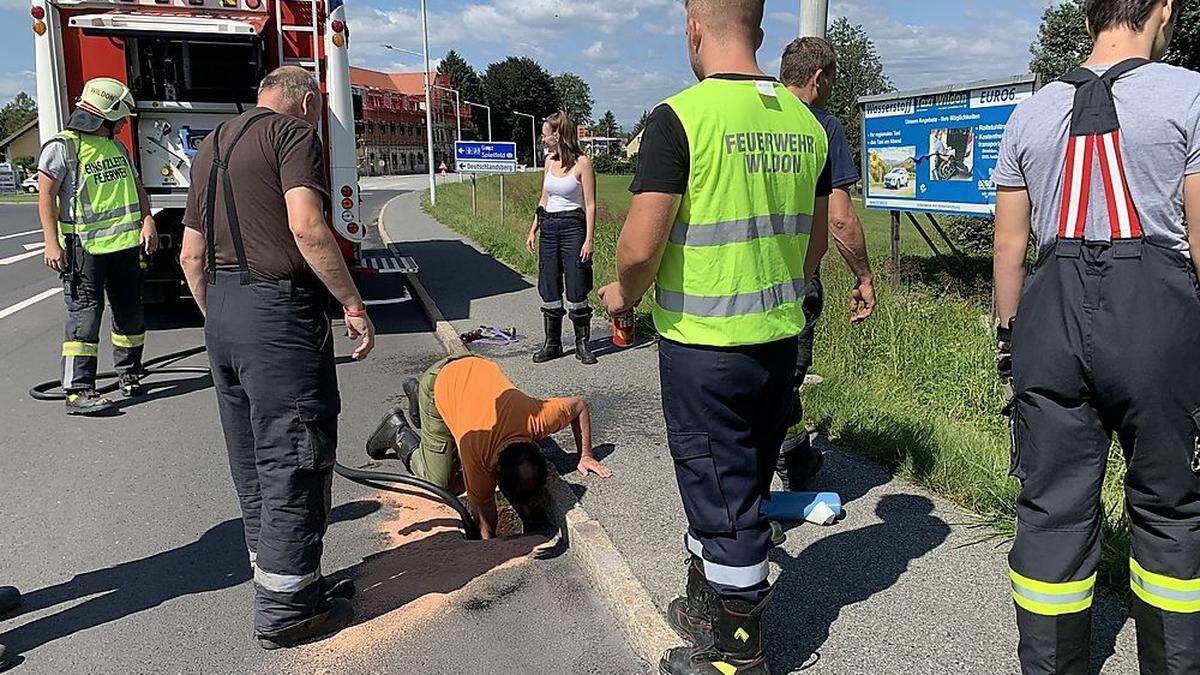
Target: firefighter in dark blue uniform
[261, 262]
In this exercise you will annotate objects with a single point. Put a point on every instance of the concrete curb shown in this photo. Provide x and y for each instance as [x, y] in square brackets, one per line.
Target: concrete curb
[643, 625]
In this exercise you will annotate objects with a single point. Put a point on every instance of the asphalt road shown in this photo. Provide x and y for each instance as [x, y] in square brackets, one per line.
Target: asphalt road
[125, 535]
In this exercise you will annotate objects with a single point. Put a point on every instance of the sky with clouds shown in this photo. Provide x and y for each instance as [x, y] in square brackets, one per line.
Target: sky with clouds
[631, 51]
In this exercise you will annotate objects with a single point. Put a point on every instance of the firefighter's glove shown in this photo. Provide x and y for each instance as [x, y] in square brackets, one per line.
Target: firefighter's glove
[1004, 365]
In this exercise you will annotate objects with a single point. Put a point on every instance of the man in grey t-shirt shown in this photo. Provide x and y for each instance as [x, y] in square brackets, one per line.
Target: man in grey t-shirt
[1103, 168]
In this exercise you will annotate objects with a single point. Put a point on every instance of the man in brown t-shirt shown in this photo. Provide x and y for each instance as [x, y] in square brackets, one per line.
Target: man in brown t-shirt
[261, 261]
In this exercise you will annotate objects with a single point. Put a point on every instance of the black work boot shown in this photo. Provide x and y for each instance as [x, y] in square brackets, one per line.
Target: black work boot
[10, 598]
[412, 390]
[131, 385]
[552, 349]
[737, 647]
[392, 435]
[688, 615]
[583, 337]
[335, 615]
[799, 462]
[87, 402]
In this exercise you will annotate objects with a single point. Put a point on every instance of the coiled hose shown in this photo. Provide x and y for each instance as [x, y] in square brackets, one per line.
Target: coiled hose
[378, 480]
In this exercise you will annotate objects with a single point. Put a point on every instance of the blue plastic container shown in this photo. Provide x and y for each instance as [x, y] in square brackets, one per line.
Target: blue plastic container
[797, 506]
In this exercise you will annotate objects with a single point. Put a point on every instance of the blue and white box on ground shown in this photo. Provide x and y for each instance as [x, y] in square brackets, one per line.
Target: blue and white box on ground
[485, 157]
[934, 150]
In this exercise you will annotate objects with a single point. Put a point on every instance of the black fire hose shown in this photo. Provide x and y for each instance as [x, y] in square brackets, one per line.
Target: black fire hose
[164, 365]
[159, 365]
[376, 480]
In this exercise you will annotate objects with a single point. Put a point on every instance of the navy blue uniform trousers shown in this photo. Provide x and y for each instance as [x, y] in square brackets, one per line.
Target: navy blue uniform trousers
[559, 267]
[727, 411]
[270, 345]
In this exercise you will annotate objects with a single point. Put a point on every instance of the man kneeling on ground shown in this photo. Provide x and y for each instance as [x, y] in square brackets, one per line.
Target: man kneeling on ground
[479, 432]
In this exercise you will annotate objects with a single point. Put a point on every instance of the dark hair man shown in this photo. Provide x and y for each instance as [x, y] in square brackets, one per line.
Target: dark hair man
[96, 221]
[733, 175]
[1103, 167]
[809, 70]
[260, 260]
[477, 428]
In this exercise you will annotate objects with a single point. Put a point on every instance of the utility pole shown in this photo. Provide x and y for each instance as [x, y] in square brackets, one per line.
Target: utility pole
[428, 106]
[814, 17]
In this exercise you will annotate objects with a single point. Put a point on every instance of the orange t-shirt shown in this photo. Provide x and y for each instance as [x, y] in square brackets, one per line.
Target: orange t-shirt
[486, 413]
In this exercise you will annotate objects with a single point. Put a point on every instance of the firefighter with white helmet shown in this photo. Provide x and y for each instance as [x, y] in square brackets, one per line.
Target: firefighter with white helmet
[96, 222]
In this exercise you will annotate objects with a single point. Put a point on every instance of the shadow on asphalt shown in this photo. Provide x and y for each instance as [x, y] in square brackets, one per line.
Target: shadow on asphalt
[215, 561]
[842, 570]
[444, 263]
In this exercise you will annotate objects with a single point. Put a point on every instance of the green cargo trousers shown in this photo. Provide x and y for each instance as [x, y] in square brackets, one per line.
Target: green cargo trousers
[436, 460]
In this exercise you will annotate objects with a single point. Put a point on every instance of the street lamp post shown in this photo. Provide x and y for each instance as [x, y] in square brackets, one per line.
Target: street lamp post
[532, 134]
[457, 107]
[489, 115]
[814, 15]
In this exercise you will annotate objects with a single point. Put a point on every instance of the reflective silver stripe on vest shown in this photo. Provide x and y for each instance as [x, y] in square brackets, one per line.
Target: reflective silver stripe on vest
[1052, 599]
[738, 231]
[728, 575]
[120, 212]
[724, 306]
[284, 583]
[92, 235]
[1162, 591]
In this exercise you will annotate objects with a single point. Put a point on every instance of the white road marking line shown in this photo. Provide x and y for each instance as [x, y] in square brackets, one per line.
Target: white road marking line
[19, 234]
[9, 311]
[19, 257]
[34, 247]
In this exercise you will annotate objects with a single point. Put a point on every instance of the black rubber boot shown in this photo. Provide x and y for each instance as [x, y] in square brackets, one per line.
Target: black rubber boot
[688, 615]
[799, 462]
[412, 391]
[583, 338]
[344, 589]
[335, 615]
[10, 599]
[87, 403]
[553, 348]
[737, 646]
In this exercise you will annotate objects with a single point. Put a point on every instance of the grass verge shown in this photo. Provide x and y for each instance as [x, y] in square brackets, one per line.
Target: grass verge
[914, 389]
[17, 198]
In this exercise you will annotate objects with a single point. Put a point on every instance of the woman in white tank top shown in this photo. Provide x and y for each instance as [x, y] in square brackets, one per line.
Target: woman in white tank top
[566, 221]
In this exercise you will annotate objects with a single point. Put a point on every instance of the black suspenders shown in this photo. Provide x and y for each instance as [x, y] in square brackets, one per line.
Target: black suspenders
[220, 168]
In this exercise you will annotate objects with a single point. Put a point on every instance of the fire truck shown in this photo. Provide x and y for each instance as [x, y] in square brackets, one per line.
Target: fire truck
[192, 64]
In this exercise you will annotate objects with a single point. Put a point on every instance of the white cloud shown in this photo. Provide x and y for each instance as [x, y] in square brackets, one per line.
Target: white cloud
[600, 53]
[13, 83]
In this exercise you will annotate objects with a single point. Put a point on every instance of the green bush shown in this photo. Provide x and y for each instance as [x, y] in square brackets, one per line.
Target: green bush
[973, 235]
[612, 165]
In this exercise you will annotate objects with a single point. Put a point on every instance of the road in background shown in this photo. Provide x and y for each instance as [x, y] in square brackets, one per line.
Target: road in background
[125, 534]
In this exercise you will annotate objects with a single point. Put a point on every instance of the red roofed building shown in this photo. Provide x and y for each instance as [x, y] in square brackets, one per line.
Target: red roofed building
[391, 125]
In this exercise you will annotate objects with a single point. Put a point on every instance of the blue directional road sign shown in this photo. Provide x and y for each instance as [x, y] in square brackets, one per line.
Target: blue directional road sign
[485, 157]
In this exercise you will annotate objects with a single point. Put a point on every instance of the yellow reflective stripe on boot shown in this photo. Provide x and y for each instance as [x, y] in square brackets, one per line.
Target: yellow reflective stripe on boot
[80, 349]
[128, 341]
[1181, 596]
[1052, 599]
[725, 668]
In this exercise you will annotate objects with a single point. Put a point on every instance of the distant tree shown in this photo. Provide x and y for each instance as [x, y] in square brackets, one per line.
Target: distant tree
[16, 114]
[29, 164]
[575, 94]
[519, 84]
[641, 124]
[1063, 41]
[607, 126]
[860, 73]
[465, 80]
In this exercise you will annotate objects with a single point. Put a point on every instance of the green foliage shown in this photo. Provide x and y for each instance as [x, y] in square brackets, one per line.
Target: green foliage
[641, 124]
[860, 73]
[464, 79]
[606, 126]
[614, 164]
[519, 84]
[575, 95]
[973, 235]
[1063, 41]
[16, 114]
[29, 164]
